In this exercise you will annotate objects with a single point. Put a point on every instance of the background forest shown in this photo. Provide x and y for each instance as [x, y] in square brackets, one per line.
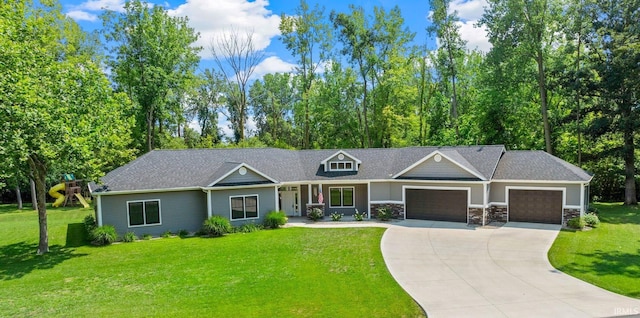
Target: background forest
[562, 76]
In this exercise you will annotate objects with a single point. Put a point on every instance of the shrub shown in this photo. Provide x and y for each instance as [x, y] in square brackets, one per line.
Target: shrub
[335, 216]
[591, 219]
[89, 225]
[358, 216]
[576, 223]
[593, 209]
[216, 226]
[384, 214]
[129, 237]
[275, 219]
[315, 214]
[249, 227]
[146, 236]
[104, 235]
[167, 234]
[183, 233]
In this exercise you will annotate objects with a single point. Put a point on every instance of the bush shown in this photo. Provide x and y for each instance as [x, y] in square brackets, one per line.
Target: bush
[335, 216]
[167, 234]
[358, 216]
[104, 235]
[146, 236]
[315, 214]
[183, 233]
[384, 214]
[129, 237]
[89, 225]
[275, 219]
[216, 226]
[593, 209]
[591, 219]
[576, 223]
[249, 227]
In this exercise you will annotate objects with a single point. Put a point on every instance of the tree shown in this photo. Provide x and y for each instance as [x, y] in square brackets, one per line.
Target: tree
[236, 57]
[613, 46]
[308, 37]
[58, 109]
[450, 50]
[153, 62]
[205, 102]
[525, 29]
[272, 100]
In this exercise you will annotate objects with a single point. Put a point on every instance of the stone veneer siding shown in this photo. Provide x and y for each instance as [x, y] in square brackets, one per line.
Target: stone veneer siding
[396, 208]
[496, 214]
[568, 214]
[475, 216]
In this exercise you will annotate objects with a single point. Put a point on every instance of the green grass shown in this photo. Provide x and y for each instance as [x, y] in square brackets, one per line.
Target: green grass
[288, 272]
[607, 256]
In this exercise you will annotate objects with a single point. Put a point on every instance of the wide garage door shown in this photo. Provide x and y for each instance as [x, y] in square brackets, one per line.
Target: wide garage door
[539, 206]
[438, 205]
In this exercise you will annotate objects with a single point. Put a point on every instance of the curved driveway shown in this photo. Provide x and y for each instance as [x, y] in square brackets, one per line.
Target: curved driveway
[453, 270]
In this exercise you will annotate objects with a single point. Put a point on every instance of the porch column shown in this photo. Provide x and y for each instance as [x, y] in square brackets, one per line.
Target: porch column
[277, 199]
[485, 201]
[209, 211]
[309, 201]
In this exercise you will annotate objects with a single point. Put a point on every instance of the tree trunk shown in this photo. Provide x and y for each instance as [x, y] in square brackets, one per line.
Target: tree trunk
[542, 85]
[34, 202]
[40, 173]
[578, 98]
[19, 196]
[454, 99]
[150, 125]
[629, 156]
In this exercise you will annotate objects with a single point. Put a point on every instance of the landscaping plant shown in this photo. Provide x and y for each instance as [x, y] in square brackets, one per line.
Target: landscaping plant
[129, 237]
[591, 219]
[103, 235]
[577, 223]
[315, 214]
[384, 214]
[335, 216]
[216, 226]
[275, 219]
[358, 216]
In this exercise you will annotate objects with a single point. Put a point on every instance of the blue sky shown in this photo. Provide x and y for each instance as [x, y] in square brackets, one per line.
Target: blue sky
[211, 17]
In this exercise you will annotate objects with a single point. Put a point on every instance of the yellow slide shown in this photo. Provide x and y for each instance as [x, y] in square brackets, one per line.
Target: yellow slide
[53, 192]
[82, 200]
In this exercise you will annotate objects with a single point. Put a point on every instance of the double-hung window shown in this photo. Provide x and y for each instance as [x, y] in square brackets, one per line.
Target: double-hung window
[342, 197]
[244, 207]
[143, 213]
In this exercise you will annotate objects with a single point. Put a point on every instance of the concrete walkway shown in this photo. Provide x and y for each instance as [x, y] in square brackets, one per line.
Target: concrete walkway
[453, 270]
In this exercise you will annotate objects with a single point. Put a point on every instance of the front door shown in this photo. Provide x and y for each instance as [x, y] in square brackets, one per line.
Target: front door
[289, 202]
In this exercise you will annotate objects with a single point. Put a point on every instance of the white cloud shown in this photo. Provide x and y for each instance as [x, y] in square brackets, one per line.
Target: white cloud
[476, 37]
[272, 64]
[80, 15]
[468, 10]
[213, 18]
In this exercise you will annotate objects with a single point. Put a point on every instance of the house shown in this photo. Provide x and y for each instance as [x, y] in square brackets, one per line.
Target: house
[169, 190]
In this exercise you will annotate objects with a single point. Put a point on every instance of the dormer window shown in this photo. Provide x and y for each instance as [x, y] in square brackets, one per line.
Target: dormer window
[341, 166]
[341, 161]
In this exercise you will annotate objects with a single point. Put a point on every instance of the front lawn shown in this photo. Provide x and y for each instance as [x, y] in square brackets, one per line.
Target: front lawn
[608, 256]
[273, 273]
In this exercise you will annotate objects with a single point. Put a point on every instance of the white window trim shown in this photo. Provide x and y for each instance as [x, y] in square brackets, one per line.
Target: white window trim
[144, 214]
[345, 162]
[353, 191]
[244, 207]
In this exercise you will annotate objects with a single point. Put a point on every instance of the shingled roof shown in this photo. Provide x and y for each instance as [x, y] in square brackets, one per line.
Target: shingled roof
[194, 168]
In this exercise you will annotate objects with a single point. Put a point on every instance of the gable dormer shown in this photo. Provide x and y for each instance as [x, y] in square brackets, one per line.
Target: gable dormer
[341, 161]
[441, 165]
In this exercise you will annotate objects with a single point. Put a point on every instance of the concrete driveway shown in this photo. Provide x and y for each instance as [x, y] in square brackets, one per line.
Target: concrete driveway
[453, 270]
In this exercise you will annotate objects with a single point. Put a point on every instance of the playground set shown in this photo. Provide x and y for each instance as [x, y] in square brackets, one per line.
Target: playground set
[72, 192]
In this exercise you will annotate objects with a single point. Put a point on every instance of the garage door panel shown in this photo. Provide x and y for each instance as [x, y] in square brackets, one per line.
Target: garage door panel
[437, 205]
[538, 206]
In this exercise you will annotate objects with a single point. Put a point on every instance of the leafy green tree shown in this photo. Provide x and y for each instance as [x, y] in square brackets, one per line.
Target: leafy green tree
[525, 30]
[58, 108]
[205, 101]
[153, 61]
[272, 99]
[307, 35]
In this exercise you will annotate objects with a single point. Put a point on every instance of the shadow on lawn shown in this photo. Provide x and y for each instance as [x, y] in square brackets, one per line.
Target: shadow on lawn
[609, 263]
[19, 259]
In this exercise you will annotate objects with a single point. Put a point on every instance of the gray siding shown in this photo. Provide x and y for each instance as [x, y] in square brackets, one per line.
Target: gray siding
[395, 190]
[498, 191]
[381, 191]
[249, 177]
[221, 204]
[444, 169]
[360, 194]
[178, 210]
